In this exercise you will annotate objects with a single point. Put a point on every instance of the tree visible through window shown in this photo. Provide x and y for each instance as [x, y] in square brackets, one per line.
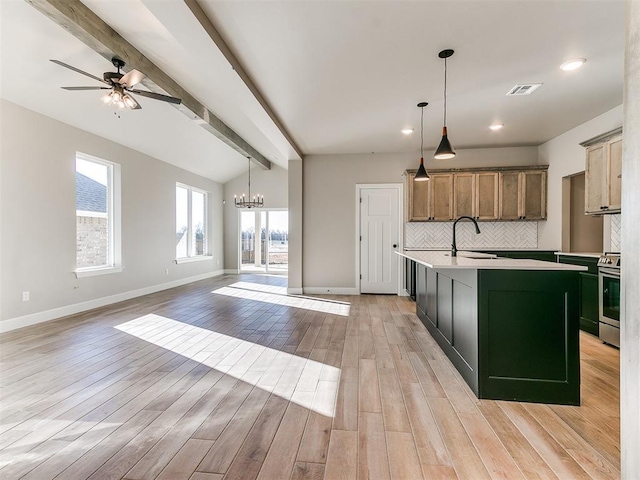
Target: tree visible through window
[94, 213]
[191, 222]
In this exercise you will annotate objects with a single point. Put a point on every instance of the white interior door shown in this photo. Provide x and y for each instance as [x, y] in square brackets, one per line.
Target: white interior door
[379, 240]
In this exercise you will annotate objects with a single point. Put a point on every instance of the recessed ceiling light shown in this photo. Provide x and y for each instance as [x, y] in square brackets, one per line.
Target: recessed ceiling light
[496, 126]
[573, 64]
[407, 131]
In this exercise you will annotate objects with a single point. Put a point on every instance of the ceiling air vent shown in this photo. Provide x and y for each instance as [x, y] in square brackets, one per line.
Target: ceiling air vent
[523, 89]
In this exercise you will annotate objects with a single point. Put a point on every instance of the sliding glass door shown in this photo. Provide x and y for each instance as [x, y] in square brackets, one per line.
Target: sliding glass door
[264, 240]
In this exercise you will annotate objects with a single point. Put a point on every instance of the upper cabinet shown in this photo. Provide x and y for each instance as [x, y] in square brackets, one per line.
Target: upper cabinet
[501, 193]
[523, 194]
[441, 196]
[431, 199]
[603, 173]
[476, 195]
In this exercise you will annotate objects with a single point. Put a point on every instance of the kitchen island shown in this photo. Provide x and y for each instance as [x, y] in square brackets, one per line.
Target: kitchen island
[509, 326]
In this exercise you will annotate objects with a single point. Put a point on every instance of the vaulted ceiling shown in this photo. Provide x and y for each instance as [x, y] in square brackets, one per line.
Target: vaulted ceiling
[341, 76]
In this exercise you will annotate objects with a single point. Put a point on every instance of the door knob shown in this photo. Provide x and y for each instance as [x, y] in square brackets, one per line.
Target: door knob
[395, 245]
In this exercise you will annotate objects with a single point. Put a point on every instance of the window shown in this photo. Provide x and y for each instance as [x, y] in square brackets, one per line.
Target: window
[97, 216]
[191, 222]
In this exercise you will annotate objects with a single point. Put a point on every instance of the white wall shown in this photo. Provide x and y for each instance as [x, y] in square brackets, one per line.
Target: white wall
[273, 184]
[37, 208]
[565, 156]
[329, 187]
[630, 302]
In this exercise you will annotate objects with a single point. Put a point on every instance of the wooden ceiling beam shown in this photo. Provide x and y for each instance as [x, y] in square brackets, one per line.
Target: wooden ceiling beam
[237, 66]
[80, 21]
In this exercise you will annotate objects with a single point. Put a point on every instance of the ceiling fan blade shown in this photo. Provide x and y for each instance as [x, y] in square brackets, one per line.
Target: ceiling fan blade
[157, 96]
[132, 78]
[85, 88]
[62, 64]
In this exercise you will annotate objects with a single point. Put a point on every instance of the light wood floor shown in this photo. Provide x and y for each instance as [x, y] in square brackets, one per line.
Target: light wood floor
[230, 378]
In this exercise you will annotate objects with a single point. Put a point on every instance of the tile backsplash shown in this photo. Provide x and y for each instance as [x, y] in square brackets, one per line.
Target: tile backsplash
[498, 235]
[616, 230]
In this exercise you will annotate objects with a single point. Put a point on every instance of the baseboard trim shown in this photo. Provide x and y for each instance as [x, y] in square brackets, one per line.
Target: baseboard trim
[331, 290]
[294, 291]
[231, 271]
[56, 313]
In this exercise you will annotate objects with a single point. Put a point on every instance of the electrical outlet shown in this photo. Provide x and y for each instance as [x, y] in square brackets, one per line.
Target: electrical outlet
[25, 296]
[218, 262]
[166, 271]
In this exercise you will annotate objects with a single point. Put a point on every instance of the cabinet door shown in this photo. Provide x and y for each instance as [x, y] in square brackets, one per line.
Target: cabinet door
[441, 196]
[595, 178]
[534, 195]
[464, 194]
[418, 199]
[486, 196]
[509, 203]
[614, 176]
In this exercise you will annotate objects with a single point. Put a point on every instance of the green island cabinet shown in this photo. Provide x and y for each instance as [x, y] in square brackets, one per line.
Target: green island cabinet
[512, 331]
[589, 291]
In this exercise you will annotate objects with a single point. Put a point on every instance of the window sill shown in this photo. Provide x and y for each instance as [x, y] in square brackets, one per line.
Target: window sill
[199, 258]
[92, 272]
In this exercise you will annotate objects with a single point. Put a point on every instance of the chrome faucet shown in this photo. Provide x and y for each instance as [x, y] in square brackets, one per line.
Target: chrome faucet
[454, 248]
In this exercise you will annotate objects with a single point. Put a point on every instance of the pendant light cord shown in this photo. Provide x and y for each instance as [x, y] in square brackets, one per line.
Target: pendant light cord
[421, 131]
[445, 92]
[249, 160]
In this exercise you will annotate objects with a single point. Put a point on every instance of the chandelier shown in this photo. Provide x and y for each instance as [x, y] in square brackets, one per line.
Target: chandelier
[249, 201]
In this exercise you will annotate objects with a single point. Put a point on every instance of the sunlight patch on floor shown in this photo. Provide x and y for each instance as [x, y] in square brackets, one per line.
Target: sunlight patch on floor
[277, 296]
[310, 384]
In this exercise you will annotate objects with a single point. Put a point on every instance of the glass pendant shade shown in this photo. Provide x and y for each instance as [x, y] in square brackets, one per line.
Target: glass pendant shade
[445, 150]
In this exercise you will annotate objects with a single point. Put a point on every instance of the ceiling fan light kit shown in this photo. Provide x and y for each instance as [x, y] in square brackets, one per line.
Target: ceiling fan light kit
[445, 150]
[421, 175]
[120, 86]
[257, 201]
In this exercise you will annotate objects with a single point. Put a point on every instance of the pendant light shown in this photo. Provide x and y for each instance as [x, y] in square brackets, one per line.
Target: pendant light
[445, 150]
[249, 202]
[421, 174]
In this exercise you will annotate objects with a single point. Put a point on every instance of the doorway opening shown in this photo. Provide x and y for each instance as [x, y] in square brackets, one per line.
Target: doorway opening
[580, 232]
[264, 241]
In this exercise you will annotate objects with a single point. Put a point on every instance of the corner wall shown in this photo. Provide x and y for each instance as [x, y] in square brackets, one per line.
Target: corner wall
[565, 156]
[273, 184]
[329, 189]
[38, 236]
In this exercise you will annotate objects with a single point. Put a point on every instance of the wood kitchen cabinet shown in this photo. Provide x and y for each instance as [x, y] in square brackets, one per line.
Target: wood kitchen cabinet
[523, 195]
[441, 196]
[418, 193]
[430, 200]
[476, 195]
[603, 173]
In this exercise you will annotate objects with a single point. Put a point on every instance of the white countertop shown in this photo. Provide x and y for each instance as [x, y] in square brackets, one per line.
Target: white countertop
[580, 254]
[440, 259]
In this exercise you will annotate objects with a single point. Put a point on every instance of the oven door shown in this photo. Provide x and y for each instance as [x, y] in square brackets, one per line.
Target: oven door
[609, 297]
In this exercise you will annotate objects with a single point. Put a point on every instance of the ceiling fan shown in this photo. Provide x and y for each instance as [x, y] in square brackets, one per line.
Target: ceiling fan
[120, 86]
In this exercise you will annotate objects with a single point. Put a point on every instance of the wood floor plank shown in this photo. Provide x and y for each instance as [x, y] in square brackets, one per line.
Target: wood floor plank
[372, 448]
[403, 458]
[307, 471]
[253, 452]
[342, 458]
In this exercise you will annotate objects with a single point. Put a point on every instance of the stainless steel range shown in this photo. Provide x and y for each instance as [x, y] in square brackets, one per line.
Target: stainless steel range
[609, 302]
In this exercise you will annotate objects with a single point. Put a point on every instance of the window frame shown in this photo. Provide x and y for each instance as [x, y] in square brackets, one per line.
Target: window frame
[114, 217]
[191, 257]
